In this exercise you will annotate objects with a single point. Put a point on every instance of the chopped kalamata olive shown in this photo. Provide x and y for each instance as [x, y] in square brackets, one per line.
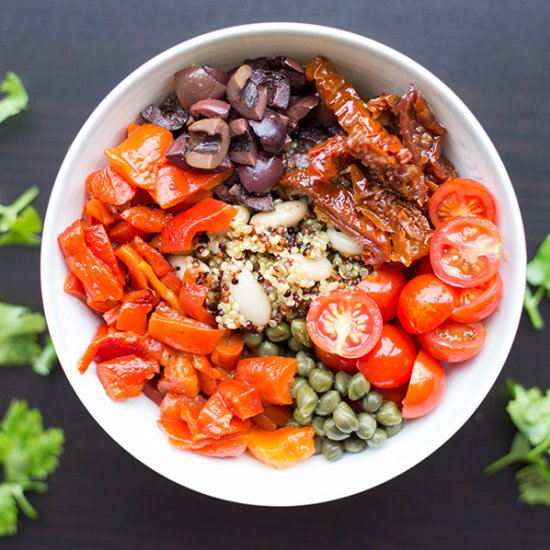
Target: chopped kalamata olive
[261, 203]
[277, 86]
[299, 107]
[271, 131]
[323, 116]
[283, 62]
[245, 96]
[210, 108]
[195, 83]
[208, 143]
[176, 152]
[259, 63]
[218, 74]
[243, 148]
[263, 176]
[298, 82]
[169, 114]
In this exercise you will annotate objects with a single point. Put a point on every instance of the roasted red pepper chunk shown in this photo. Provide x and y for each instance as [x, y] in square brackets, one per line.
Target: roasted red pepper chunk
[179, 376]
[192, 296]
[99, 281]
[242, 399]
[109, 187]
[144, 218]
[208, 215]
[138, 158]
[124, 377]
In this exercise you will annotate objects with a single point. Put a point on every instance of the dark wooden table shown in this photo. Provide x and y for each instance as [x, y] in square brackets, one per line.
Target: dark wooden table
[494, 54]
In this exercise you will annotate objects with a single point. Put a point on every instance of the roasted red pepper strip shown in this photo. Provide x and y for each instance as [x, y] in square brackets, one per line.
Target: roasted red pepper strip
[227, 351]
[132, 126]
[100, 282]
[73, 286]
[207, 384]
[152, 256]
[175, 184]
[242, 399]
[124, 377]
[131, 260]
[271, 376]
[122, 232]
[183, 333]
[207, 215]
[96, 211]
[194, 289]
[204, 365]
[179, 376]
[133, 312]
[150, 220]
[139, 157]
[350, 110]
[100, 244]
[109, 187]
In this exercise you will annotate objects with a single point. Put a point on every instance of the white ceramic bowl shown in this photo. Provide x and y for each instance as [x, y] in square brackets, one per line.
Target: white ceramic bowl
[373, 68]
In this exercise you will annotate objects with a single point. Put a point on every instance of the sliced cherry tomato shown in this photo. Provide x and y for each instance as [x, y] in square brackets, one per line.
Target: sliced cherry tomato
[283, 447]
[461, 197]
[344, 322]
[336, 361]
[477, 303]
[424, 266]
[384, 286]
[425, 388]
[465, 251]
[389, 364]
[453, 342]
[424, 303]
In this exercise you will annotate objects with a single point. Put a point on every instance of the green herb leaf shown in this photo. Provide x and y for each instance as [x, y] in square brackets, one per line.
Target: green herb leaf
[28, 453]
[534, 484]
[16, 98]
[20, 223]
[44, 362]
[519, 452]
[530, 412]
[538, 269]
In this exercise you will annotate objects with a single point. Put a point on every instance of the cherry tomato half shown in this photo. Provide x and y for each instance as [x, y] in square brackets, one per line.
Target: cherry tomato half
[425, 302]
[384, 286]
[344, 322]
[465, 251]
[453, 342]
[389, 364]
[425, 388]
[336, 361]
[477, 303]
[461, 197]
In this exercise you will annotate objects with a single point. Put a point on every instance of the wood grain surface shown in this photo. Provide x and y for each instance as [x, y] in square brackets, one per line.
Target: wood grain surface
[494, 54]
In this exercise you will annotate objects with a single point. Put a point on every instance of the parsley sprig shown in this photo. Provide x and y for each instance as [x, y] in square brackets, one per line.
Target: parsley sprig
[15, 99]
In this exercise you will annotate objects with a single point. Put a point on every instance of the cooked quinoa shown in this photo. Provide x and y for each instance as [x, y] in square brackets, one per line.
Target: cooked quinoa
[265, 252]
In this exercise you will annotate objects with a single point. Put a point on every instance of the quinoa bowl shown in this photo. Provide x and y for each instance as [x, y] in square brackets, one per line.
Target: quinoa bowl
[374, 69]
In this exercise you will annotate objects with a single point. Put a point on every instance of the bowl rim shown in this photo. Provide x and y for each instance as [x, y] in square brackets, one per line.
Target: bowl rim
[392, 56]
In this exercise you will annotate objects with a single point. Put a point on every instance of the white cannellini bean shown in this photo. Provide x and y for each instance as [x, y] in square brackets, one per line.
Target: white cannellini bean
[344, 243]
[315, 269]
[251, 299]
[182, 262]
[287, 214]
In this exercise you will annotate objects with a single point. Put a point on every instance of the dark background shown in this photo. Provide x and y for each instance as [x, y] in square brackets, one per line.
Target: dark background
[69, 54]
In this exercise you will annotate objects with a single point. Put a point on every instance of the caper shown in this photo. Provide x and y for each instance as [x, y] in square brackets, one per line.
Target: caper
[306, 400]
[293, 423]
[320, 379]
[322, 366]
[318, 442]
[296, 383]
[358, 387]
[367, 425]
[344, 418]
[392, 430]
[267, 349]
[252, 339]
[294, 345]
[371, 402]
[280, 333]
[341, 382]
[305, 363]
[332, 450]
[332, 431]
[318, 425]
[328, 402]
[298, 329]
[302, 420]
[354, 444]
[388, 414]
[378, 439]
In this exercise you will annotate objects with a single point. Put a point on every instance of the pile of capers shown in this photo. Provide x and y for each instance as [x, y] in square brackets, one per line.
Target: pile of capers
[293, 336]
[322, 398]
